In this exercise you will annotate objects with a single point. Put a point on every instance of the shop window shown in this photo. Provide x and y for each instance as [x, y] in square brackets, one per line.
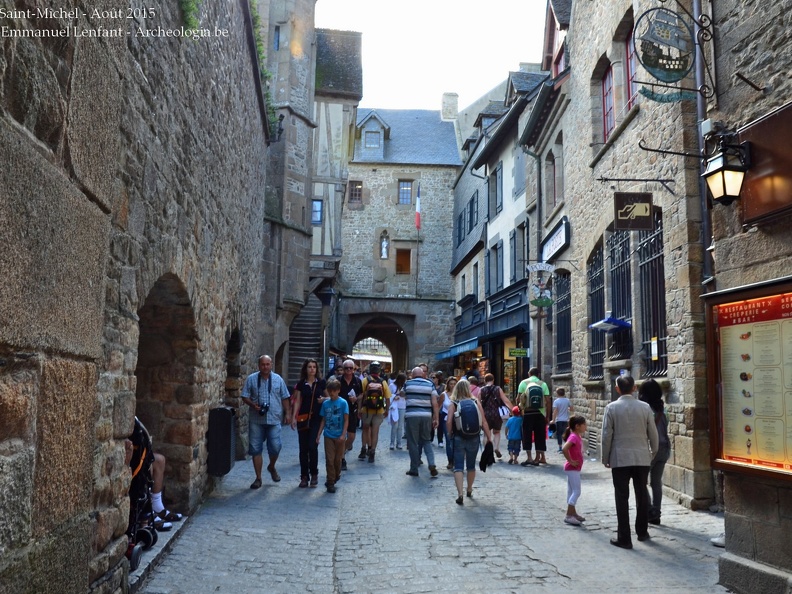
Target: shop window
[596, 311]
[654, 333]
[563, 323]
[621, 292]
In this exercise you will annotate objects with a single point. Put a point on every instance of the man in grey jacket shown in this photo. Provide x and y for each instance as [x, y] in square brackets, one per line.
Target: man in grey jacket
[629, 442]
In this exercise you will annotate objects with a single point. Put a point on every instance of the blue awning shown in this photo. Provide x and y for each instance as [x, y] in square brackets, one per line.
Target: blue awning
[458, 349]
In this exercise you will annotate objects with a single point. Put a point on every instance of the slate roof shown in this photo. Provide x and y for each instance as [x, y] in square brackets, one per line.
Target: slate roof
[525, 82]
[562, 9]
[416, 136]
[339, 64]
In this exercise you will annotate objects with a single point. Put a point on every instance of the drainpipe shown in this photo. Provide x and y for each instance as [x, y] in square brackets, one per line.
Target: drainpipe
[701, 115]
[539, 201]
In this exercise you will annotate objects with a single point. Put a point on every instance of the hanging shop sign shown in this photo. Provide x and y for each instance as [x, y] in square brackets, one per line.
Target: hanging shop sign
[665, 46]
[632, 211]
[518, 353]
[750, 333]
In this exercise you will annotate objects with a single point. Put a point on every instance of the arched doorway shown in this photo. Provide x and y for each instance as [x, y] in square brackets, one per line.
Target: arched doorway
[391, 334]
[167, 394]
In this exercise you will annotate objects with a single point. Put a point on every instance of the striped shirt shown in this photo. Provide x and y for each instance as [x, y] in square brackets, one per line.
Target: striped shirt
[418, 394]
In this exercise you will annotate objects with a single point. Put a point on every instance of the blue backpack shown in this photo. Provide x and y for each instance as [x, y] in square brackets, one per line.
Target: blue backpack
[467, 418]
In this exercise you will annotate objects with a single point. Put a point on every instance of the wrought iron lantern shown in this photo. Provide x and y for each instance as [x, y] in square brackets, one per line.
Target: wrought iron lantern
[725, 171]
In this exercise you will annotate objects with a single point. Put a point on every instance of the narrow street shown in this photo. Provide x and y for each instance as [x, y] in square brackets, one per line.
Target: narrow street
[384, 531]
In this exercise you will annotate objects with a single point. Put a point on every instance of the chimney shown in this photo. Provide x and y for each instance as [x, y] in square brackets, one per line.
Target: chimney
[450, 110]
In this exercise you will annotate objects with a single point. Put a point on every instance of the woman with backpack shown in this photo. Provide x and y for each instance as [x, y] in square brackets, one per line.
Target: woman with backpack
[491, 398]
[465, 422]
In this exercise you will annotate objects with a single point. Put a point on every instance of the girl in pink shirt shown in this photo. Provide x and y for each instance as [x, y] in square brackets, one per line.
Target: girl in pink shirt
[573, 452]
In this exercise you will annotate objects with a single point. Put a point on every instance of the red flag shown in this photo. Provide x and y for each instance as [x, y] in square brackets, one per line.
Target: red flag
[418, 209]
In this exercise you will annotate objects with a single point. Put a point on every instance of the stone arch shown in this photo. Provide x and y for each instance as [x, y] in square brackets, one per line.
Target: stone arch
[389, 332]
[168, 398]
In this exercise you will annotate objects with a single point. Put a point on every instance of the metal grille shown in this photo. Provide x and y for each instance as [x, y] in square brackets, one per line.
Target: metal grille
[621, 292]
[596, 307]
[653, 311]
[563, 329]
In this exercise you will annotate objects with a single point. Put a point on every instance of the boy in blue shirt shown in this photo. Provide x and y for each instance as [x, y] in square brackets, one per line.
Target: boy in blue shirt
[335, 419]
[514, 434]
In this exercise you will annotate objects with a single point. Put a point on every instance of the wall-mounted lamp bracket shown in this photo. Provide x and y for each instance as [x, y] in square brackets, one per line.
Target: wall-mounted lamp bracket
[662, 182]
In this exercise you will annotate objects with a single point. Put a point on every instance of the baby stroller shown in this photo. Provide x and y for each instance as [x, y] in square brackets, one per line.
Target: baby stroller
[141, 533]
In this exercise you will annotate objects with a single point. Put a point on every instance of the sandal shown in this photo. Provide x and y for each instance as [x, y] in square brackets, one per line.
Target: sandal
[274, 474]
[160, 525]
[256, 484]
[168, 516]
[460, 500]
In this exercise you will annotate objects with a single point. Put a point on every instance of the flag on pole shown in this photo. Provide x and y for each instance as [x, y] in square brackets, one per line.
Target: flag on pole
[418, 209]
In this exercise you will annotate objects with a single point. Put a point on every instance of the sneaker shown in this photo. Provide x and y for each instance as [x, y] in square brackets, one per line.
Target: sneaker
[362, 455]
[371, 457]
[343, 464]
[572, 520]
[719, 541]
[391, 447]
[398, 447]
[303, 482]
[433, 471]
[331, 488]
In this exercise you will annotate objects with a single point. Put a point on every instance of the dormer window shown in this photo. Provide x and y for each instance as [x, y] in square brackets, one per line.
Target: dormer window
[372, 139]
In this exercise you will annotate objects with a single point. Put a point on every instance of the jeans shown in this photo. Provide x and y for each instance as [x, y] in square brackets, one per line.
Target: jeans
[309, 451]
[621, 486]
[559, 432]
[419, 438]
[397, 430]
[656, 480]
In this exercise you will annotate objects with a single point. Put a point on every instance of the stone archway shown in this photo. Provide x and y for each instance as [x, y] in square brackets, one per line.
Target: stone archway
[168, 398]
[391, 334]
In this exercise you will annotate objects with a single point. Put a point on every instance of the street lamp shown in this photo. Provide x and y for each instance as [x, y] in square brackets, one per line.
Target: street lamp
[725, 171]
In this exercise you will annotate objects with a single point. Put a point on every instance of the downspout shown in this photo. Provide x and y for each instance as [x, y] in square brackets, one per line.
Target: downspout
[701, 115]
[539, 201]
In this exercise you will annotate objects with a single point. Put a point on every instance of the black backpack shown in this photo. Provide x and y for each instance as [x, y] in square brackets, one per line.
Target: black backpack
[467, 418]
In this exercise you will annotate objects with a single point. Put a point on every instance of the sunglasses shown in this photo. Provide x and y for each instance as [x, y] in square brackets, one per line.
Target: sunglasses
[348, 367]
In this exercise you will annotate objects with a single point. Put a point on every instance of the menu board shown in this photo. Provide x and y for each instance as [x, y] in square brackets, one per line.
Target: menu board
[754, 337]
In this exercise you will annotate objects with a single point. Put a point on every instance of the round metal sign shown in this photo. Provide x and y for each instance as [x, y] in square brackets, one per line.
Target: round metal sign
[664, 44]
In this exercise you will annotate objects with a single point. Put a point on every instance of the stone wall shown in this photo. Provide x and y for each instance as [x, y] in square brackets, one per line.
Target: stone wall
[597, 37]
[364, 273]
[755, 40]
[132, 174]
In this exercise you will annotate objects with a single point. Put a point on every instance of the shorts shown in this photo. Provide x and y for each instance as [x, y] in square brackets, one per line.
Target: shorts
[372, 419]
[514, 446]
[465, 451]
[258, 433]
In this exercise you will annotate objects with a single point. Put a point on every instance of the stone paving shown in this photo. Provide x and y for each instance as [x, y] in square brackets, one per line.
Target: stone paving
[384, 531]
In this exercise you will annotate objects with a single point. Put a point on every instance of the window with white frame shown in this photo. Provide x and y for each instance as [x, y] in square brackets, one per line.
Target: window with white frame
[372, 139]
[405, 191]
[316, 212]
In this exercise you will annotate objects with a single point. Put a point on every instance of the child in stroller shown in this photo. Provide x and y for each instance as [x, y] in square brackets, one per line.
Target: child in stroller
[148, 469]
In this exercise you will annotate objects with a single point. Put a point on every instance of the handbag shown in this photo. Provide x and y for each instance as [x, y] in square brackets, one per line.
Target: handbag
[304, 419]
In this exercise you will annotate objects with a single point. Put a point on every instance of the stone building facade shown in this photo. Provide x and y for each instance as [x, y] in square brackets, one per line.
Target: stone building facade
[585, 136]
[754, 41]
[136, 223]
[394, 283]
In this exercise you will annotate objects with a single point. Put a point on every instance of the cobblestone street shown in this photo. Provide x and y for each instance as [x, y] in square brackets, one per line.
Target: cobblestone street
[384, 531]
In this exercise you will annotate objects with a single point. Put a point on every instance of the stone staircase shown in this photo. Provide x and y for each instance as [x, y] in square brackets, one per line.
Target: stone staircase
[305, 338]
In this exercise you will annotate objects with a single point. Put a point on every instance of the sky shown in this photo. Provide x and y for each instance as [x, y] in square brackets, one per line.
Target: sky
[416, 50]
